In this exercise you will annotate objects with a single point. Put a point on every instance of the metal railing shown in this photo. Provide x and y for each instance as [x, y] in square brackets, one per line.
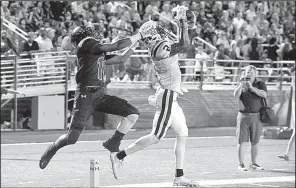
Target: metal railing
[14, 28]
[53, 73]
[41, 74]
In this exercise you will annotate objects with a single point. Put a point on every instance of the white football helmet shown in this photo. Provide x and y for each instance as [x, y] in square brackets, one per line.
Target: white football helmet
[152, 32]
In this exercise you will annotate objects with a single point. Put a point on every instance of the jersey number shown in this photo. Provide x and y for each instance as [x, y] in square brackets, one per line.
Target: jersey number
[166, 47]
[101, 68]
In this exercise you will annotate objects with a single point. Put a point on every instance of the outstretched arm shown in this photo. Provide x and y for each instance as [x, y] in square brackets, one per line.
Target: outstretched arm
[121, 44]
[184, 42]
[123, 57]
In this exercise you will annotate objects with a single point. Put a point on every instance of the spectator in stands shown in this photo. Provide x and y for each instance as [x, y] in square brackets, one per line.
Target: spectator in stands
[255, 52]
[224, 41]
[292, 53]
[246, 48]
[250, 13]
[200, 63]
[218, 11]
[166, 15]
[30, 46]
[272, 51]
[209, 32]
[136, 22]
[289, 24]
[224, 21]
[66, 42]
[250, 92]
[5, 12]
[45, 44]
[7, 45]
[238, 53]
[252, 28]
[284, 49]
[24, 25]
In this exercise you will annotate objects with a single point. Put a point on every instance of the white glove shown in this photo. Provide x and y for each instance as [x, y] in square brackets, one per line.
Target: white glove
[180, 12]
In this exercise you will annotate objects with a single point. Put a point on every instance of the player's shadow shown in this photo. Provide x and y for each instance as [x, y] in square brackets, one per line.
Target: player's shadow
[9, 159]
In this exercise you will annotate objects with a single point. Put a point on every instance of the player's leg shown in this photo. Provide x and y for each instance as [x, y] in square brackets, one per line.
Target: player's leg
[82, 110]
[243, 135]
[256, 131]
[117, 106]
[161, 122]
[180, 128]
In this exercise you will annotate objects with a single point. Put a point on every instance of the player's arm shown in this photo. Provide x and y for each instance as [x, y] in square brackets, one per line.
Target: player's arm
[184, 43]
[123, 57]
[121, 44]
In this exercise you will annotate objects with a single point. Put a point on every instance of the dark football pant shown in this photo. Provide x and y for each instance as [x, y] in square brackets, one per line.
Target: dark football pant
[85, 104]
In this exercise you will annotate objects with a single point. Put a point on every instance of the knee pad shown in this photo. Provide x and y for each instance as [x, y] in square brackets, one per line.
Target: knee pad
[73, 135]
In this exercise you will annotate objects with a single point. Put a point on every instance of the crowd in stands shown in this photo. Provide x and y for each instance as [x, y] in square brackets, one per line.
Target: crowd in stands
[241, 30]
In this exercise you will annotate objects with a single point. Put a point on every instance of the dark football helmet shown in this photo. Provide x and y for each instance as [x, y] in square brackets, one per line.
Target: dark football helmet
[82, 32]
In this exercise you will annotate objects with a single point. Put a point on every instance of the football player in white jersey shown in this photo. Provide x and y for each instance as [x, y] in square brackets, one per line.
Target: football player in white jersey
[168, 112]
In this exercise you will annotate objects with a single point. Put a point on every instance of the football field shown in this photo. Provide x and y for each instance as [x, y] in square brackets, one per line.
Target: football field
[211, 160]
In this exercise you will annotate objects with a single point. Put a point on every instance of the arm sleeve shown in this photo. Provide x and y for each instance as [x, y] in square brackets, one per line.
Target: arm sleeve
[94, 46]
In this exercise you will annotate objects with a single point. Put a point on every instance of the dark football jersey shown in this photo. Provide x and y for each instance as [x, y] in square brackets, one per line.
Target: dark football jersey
[91, 63]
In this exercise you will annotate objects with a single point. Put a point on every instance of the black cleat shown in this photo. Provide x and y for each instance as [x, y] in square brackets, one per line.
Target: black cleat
[111, 145]
[47, 156]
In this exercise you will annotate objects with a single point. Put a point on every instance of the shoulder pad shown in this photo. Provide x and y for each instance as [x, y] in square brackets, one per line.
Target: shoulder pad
[162, 49]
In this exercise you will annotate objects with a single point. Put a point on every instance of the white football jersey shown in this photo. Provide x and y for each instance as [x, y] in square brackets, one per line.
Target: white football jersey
[166, 66]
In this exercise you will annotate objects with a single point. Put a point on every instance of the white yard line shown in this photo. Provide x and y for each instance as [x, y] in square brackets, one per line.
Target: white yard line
[219, 182]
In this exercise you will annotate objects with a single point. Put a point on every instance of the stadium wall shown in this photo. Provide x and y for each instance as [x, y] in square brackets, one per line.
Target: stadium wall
[211, 109]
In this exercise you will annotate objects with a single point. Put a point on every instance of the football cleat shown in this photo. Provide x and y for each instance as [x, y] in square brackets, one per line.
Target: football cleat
[286, 157]
[182, 181]
[47, 156]
[116, 163]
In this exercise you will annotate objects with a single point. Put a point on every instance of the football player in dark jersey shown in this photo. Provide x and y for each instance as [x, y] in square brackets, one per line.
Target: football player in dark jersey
[90, 95]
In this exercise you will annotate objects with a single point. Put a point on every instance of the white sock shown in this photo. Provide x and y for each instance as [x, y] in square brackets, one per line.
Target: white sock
[180, 146]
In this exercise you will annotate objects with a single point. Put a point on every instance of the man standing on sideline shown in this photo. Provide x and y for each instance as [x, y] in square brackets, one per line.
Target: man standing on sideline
[89, 95]
[251, 93]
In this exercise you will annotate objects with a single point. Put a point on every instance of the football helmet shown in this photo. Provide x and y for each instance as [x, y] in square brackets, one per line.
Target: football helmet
[82, 32]
[152, 32]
